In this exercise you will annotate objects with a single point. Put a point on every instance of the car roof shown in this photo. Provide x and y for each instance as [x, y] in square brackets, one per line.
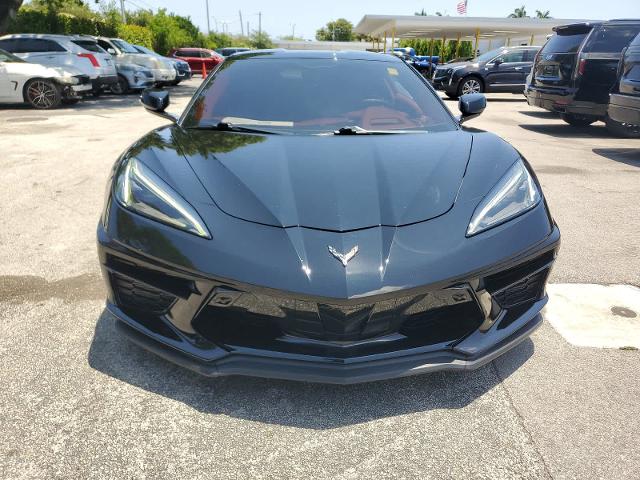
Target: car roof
[46, 36]
[578, 26]
[319, 54]
[520, 47]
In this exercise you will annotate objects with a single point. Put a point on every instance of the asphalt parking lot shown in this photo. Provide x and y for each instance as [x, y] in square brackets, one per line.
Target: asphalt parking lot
[80, 402]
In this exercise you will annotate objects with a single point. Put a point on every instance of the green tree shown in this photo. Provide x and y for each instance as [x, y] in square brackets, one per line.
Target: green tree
[519, 13]
[545, 14]
[136, 34]
[340, 30]
[260, 40]
[421, 13]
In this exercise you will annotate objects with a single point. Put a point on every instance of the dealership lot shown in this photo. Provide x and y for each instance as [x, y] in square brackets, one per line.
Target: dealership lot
[81, 402]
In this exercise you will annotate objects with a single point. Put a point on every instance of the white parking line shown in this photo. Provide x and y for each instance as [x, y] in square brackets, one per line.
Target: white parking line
[604, 316]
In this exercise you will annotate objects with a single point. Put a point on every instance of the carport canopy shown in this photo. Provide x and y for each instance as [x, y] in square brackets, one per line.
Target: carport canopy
[456, 28]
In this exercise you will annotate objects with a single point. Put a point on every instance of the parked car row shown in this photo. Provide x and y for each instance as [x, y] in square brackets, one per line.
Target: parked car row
[96, 63]
[582, 74]
[586, 72]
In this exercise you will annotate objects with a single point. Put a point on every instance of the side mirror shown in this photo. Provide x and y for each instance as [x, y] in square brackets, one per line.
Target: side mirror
[111, 51]
[471, 105]
[156, 102]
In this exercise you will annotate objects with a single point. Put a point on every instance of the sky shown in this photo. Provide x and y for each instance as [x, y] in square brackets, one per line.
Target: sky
[281, 17]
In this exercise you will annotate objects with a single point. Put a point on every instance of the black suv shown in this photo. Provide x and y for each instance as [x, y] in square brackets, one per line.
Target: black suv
[624, 101]
[576, 69]
[501, 70]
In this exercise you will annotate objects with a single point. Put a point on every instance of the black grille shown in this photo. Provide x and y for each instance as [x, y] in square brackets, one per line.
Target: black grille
[137, 296]
[527, 290]
[342, 330]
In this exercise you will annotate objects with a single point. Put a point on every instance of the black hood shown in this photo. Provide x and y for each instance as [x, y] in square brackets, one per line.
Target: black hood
[336, 183]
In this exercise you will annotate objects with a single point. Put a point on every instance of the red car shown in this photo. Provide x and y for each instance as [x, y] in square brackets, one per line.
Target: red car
[197, 57]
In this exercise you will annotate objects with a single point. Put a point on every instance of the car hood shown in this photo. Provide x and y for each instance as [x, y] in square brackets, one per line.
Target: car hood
[336, 183]
[457, 64]
[143, 60]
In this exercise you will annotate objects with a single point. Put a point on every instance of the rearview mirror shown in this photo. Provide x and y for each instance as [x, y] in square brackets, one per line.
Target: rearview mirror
[471, 105]
[156, 101]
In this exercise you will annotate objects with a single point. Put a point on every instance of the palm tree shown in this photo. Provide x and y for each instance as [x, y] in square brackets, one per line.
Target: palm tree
[545, 14]
[519, 13]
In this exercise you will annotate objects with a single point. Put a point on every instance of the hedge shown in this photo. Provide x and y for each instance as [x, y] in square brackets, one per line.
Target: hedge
[36, 21]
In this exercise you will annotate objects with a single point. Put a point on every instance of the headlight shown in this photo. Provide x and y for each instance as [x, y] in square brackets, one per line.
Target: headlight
[69, 80]
[139, 189]
[514, 194]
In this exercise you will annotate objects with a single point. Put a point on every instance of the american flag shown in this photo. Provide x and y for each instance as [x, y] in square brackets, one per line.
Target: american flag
[462, 8]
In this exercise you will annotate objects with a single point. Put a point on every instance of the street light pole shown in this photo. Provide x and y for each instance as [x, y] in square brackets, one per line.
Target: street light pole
[124, 15]
[208, 21]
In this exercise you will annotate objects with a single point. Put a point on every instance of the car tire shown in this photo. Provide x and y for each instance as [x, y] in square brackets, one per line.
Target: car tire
[453, 96]
[42, 94]
[122, 87]
[623, 130]
[470, 84]
[577, 120]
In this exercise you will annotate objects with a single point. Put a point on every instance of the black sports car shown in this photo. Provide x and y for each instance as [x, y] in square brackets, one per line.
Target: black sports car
[321, 216]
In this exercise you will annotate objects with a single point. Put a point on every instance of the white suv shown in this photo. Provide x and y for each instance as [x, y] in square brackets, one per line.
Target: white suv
[64, 51]
[126, 54]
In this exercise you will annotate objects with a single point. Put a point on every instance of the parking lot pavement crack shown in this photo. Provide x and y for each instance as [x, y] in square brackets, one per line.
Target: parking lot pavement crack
[521, 421]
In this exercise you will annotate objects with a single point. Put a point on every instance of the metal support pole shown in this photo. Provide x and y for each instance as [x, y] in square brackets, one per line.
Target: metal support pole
[385, 41]
[259, 23]
[122, 11]
[475, 45]
[531, 41]
[444, 42]
[430, 56]
[508, 41]
[393, 37]
[241, 23]
[458, 45]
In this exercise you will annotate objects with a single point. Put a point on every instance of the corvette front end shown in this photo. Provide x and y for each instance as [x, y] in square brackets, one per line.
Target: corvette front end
[340, 257]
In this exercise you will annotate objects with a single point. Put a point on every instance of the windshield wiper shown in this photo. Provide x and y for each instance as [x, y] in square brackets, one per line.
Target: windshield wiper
[355, 130]
[230, 127]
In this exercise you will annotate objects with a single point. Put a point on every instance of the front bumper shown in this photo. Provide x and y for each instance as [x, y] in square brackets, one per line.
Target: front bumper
[563, 101]
[445, 82]
[139, 80]
[624, 108]
[163, 75]
[103, 82]
[218, 326]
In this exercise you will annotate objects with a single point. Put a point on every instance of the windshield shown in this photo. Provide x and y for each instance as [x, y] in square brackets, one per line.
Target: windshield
[317, 95]
[124, 46]
[9, 57]
[142, 49]
[485, 57]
